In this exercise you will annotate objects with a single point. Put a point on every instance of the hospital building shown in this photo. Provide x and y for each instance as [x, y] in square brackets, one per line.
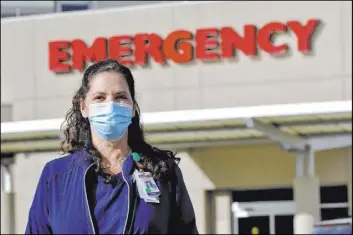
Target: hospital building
[255, 97]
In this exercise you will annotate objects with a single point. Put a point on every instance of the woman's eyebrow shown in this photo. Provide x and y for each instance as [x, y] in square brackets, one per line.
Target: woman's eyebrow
[121, 93]
[104, 93]
[99, 93]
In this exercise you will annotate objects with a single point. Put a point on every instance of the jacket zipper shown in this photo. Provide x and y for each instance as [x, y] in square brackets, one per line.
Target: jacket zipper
[89, 211]
[133, 210]
[128, 203]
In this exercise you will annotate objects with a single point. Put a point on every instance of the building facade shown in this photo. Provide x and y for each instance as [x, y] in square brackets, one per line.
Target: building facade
[23, 8]
[288, 53]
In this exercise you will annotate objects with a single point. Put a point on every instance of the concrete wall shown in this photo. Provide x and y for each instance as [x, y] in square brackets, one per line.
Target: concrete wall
[37, 93]
[265, 166]
[26, 173]
[6, 112]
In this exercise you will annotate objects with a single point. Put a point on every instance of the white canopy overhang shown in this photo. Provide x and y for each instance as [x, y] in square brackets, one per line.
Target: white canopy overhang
[323, 125]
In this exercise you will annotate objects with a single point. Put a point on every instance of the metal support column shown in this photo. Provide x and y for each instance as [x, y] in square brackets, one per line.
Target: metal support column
[311, 163]
[299, 164]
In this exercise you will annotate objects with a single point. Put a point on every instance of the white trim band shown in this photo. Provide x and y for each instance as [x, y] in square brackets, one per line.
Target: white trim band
[175, 117]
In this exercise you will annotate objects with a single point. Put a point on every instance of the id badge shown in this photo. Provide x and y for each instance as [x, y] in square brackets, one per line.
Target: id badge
[147, 187]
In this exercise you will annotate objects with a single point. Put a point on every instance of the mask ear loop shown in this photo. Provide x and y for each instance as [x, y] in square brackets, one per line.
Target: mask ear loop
[85, 104]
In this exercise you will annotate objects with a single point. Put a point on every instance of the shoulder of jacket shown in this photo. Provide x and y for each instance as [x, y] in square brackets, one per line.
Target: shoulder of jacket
[60, 165]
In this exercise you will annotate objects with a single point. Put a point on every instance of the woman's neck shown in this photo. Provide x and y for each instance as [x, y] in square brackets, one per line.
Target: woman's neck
[112, 153]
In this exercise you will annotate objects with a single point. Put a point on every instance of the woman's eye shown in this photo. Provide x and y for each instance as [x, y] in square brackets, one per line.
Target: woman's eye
[121, 97]
[99, 97]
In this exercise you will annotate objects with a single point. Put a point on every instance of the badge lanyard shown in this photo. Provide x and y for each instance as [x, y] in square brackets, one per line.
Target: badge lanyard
[146, 186]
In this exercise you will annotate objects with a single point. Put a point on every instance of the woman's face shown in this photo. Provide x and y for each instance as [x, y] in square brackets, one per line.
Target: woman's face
[105, 87]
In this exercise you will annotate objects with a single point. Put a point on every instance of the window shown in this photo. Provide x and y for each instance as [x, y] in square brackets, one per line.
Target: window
[278, 194]
[334, 194]
[73, 5]
[334, 213]
[334, 202]
[5, 15]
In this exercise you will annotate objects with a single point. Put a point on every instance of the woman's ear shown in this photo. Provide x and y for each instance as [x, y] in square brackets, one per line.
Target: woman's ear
[84, 109]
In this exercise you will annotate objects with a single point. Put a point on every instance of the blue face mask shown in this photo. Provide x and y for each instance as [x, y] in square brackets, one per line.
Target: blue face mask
[110, 120]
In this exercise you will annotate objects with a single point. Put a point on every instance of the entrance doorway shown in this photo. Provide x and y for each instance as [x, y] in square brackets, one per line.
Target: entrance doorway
[275, 217]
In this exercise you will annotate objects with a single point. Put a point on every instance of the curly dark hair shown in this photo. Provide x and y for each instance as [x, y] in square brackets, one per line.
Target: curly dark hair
[77, 129]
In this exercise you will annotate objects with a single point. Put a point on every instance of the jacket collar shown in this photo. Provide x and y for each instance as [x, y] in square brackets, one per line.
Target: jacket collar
[84, 159]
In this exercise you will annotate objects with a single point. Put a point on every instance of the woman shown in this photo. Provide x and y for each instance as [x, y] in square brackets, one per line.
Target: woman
[94, 190]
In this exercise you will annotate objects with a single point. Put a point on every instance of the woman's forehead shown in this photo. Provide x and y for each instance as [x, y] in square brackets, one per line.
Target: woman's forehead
[108, 81]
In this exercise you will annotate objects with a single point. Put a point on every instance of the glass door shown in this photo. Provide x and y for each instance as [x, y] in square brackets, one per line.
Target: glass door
[284, 224]
[263, 217]
[254, 225]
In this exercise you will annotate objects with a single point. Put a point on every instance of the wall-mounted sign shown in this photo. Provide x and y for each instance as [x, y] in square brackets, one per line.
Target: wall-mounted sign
[180, 46]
